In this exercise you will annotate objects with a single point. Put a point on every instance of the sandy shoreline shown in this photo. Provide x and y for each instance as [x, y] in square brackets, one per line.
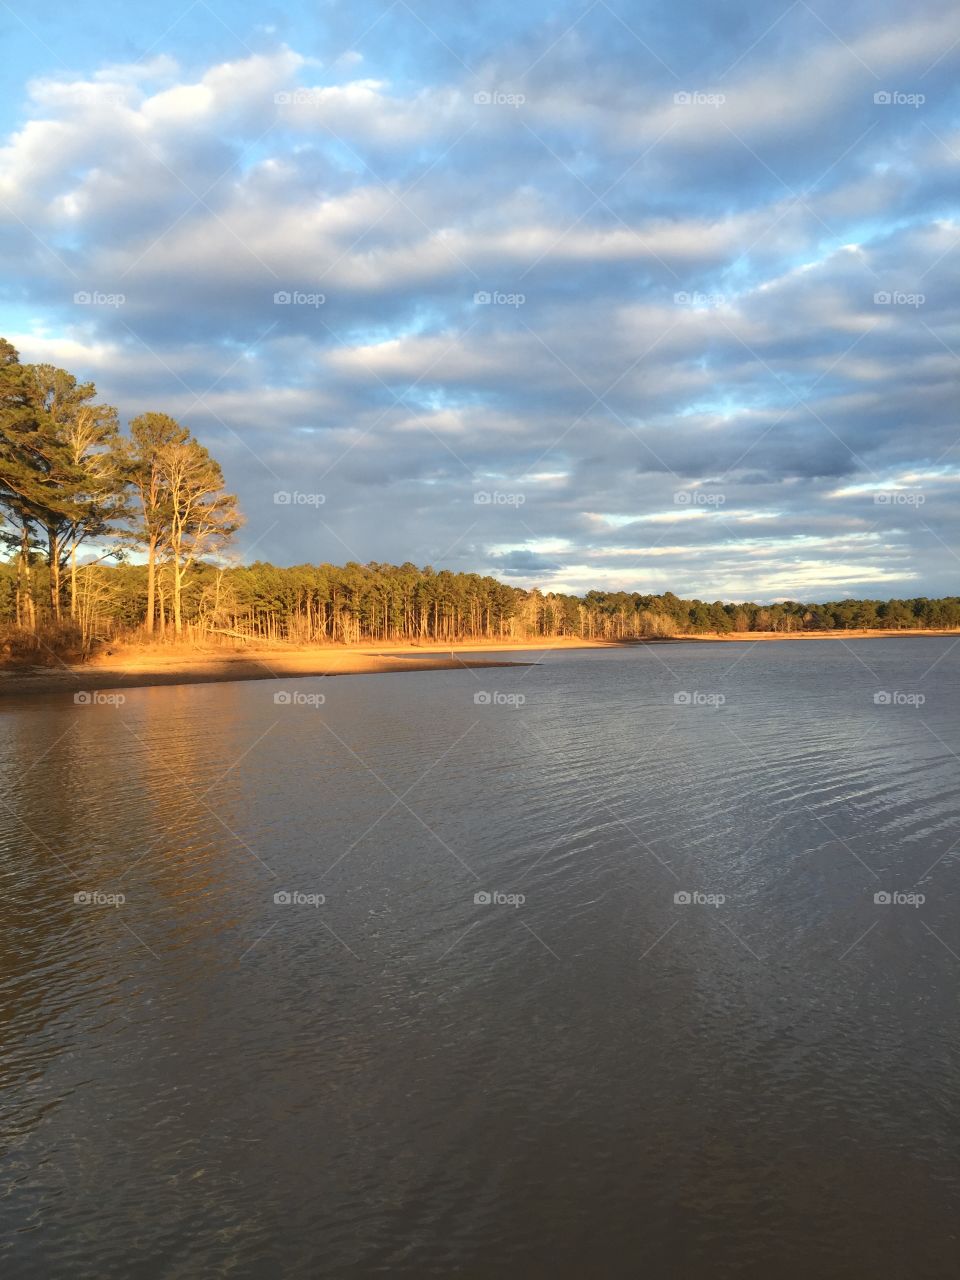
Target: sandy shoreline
[135, 668]
[859, 633]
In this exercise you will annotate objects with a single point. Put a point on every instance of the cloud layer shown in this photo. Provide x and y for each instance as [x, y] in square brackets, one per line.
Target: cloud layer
[583, 299]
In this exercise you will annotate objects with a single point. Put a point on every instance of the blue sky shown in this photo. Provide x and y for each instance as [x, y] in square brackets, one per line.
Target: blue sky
[584, 295]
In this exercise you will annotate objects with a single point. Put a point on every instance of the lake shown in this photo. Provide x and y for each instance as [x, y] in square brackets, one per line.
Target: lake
[639, 961]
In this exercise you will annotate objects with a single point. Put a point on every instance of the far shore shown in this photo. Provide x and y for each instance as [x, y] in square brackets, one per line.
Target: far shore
[136, 666]
[853, 633]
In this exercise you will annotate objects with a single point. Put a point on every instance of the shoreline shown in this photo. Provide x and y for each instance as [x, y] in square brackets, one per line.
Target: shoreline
[138, 668]
[853, 633]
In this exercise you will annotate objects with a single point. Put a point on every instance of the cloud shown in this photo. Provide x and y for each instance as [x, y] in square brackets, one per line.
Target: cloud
[398, 276]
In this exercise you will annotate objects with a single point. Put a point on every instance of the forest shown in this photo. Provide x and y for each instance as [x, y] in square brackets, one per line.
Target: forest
[110, 534]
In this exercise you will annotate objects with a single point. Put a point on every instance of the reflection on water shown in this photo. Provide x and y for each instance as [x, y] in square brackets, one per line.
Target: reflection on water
[681, 1036]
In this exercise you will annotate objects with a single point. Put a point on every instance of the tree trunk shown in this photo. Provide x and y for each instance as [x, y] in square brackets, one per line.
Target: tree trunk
[177, 591]
[26, 610]
[151, 583]
[73, 581]
[53, 555]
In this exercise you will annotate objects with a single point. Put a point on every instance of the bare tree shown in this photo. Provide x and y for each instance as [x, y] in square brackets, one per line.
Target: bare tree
[202, 518]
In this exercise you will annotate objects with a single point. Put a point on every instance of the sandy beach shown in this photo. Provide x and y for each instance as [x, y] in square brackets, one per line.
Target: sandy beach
[134, 666]
[139, 667]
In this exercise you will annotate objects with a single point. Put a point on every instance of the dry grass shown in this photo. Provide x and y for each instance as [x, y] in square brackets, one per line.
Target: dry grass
[50, 645]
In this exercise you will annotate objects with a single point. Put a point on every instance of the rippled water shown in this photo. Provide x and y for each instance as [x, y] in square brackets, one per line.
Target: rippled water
[600, 1080]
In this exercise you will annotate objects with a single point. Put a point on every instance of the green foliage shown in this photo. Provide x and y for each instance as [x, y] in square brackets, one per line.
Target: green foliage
[383, 602]
[67, 476]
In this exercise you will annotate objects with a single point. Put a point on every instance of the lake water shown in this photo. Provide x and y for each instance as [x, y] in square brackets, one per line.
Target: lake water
[602, 1079]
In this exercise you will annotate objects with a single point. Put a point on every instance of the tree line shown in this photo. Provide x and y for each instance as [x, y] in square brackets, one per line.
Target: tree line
[69, 479]
[111, 534]
[356, 603]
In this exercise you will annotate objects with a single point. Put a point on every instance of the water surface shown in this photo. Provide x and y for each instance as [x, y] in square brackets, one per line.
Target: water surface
[599, 1080]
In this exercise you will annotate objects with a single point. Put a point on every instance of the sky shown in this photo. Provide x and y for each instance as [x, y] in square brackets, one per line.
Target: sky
[594, 295]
